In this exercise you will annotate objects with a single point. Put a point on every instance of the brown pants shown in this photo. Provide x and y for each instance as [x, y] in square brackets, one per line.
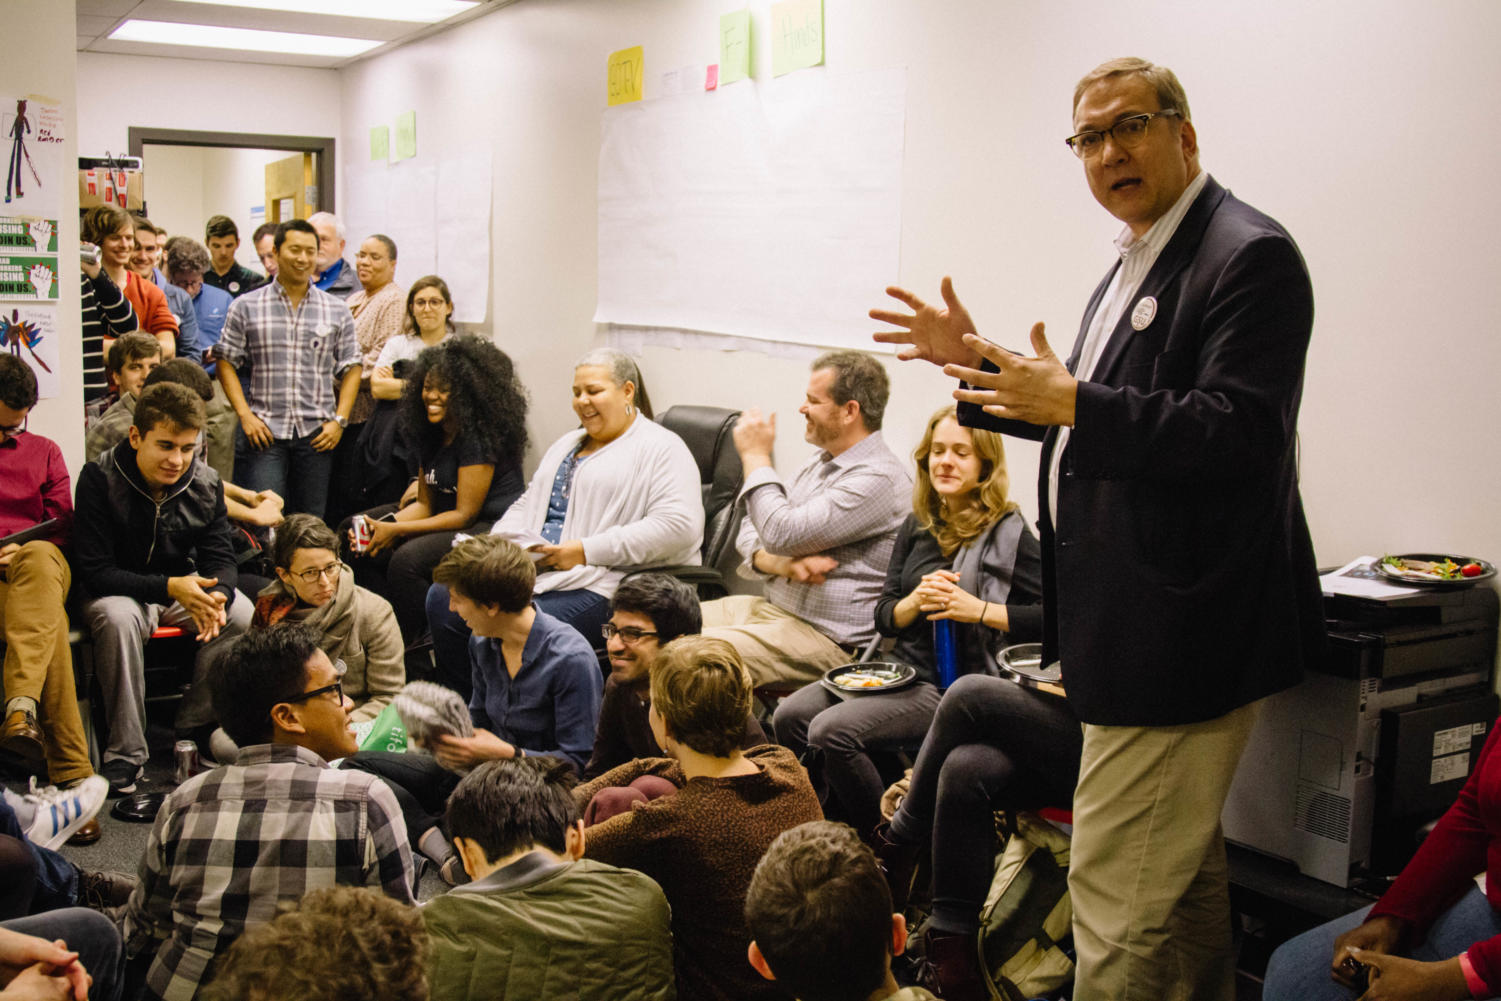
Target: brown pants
[38, 662]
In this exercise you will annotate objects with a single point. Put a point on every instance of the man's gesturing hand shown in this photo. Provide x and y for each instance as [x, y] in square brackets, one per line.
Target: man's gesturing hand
[932, 334]
[1036, 390]
[754, 437]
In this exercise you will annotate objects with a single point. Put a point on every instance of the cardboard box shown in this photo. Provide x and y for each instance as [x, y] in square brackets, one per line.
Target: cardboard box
[100, 186]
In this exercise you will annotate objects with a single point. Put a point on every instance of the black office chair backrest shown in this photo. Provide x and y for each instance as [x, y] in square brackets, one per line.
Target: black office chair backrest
[707, 433]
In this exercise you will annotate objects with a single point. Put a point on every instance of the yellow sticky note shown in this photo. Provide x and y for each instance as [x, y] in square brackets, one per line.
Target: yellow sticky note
[406, 136]
[625, 75]
[734, 46]
[380, 142]
[796, 35]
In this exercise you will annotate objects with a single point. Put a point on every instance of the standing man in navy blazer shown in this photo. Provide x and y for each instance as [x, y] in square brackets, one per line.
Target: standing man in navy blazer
[1179, 577]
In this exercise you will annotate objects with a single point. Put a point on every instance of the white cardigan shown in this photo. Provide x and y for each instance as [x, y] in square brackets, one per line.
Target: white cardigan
[635, 503]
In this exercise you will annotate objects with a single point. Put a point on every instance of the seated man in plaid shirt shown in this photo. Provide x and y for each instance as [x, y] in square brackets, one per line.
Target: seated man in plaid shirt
[821, 542]
[231, 843]
[283, 347]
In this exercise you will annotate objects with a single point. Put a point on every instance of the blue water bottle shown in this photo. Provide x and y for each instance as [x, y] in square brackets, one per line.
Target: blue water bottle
[945, 647]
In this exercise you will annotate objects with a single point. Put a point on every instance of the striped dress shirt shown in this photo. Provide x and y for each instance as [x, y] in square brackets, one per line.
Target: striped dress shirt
[288, 359]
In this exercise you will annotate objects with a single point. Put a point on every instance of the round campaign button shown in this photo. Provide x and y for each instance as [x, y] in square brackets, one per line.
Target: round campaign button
[1141, 316]
[235, 287]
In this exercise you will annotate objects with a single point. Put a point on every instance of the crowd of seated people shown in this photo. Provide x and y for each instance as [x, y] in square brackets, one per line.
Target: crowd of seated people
[613, 821]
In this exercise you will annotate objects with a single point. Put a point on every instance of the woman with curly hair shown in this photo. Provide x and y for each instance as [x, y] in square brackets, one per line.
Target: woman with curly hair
[464, 410]
[964, 555]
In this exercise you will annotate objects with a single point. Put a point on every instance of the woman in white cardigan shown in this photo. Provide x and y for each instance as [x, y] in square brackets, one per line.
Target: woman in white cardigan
[619, 494]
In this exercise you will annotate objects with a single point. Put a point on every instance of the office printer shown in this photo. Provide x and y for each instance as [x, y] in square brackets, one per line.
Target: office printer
[1343, 771]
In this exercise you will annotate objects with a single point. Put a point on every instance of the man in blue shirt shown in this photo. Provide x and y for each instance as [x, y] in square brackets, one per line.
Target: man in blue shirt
[537, 689]
[186, 262]
[335, 275]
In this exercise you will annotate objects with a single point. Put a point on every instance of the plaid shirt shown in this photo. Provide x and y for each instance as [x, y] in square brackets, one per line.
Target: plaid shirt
[287, 359]
[847, 506]
[230, 844]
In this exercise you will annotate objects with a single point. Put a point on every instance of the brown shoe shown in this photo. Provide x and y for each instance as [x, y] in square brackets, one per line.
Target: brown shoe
[21, 742]
[87, 834]
[104, 891]
[898, 861]
[952, 970]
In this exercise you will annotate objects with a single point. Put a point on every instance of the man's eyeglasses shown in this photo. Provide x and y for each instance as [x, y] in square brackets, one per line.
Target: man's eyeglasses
[331, 571]
[628, 634]
[337, 686]
[1127, 133]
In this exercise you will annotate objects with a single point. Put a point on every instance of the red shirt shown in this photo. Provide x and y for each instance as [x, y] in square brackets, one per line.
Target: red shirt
[1466, 840]
[34, 485]
[150, 303]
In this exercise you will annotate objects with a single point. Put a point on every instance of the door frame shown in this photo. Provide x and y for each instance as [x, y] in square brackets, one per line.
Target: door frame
[139, 137]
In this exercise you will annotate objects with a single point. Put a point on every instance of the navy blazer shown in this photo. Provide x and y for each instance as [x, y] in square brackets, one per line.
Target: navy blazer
[1180, 583]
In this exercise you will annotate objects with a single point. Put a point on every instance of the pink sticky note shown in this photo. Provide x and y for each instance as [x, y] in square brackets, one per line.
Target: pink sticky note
[711, 78]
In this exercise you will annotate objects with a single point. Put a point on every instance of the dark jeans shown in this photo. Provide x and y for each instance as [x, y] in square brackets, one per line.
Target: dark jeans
[843, 732]
[403, 574]
[994, 745]
[53, 880]
[422, 786]
[583, 610]
[90, 934]
[291, 467]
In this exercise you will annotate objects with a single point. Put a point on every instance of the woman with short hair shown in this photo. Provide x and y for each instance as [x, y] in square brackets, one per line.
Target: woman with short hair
[111, 228]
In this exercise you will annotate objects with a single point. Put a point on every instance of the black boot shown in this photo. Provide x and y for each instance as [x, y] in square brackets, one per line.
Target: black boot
[952, 969]
[899, 861]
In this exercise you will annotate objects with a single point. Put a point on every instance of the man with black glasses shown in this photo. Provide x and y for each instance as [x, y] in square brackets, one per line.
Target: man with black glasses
[649, 611]
[232, 843]
[1179, 579]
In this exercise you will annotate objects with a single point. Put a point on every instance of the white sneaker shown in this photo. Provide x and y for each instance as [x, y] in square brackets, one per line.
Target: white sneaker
[61, 812]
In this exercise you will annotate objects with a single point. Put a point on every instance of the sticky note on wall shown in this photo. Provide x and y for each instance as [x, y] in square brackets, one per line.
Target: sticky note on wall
[734, 46]
[380, 142]
[625, 75]
[796, 35]
[406, 135]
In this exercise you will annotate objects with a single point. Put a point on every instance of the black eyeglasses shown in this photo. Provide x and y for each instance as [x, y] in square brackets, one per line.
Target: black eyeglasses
[1127, 133]
[628, 634]
[337, 686]
[331, 571]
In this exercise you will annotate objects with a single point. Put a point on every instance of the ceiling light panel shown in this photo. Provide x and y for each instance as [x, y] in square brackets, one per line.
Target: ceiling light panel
[210, 36]
[416, 11]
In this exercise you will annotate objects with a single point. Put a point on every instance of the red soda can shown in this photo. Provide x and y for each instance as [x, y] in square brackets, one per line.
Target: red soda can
[362, 534]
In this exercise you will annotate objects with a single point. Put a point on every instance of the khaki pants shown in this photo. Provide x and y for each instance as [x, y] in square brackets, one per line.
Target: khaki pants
[219, 435]
[775, 645]
[38, 661]
[1148, 874]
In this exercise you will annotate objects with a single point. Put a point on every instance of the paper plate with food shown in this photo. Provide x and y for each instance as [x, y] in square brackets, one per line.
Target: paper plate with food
[869, 677]
[1435, 569]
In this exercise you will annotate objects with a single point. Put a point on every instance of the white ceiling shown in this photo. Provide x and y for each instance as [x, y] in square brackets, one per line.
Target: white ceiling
[97, 18]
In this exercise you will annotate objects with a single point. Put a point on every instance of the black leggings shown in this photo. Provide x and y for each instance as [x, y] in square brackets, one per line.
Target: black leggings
[993, 745]
[403, 574]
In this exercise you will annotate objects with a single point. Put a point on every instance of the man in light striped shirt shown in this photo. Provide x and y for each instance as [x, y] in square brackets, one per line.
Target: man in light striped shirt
[291, 341]
[822, 542]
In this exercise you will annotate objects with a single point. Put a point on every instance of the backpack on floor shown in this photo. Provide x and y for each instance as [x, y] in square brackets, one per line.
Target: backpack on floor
[1027, 911]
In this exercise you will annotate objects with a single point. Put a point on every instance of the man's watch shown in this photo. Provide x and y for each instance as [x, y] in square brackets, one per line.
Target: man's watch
[342, 421]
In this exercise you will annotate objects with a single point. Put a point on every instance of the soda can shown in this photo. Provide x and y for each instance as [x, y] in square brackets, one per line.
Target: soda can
[185, 753]
[362, 534]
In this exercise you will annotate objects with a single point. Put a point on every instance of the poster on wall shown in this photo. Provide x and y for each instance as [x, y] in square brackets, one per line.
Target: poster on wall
[30, 333]
[31, 129]
[27, 236]
[24, 276]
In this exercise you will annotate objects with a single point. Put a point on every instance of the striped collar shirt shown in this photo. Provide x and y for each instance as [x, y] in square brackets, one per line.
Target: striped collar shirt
[289, 358]
[848, 507]
[1137, 257]
[230, 844]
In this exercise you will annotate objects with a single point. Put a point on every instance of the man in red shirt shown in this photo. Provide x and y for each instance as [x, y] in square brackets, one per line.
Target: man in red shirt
[42, 728]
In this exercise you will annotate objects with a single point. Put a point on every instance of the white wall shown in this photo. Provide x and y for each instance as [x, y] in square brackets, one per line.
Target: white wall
[1360, 125]
[44, 65]
[187, 184]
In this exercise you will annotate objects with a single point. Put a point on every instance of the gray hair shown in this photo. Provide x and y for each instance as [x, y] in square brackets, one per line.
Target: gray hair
[329, 217]
[186, 254]
[623, 369]
[859, 377]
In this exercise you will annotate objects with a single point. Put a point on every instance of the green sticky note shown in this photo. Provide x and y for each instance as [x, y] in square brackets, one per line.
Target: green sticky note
[406, 136]
[380, 142]
[734, 46]
[796, 35]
